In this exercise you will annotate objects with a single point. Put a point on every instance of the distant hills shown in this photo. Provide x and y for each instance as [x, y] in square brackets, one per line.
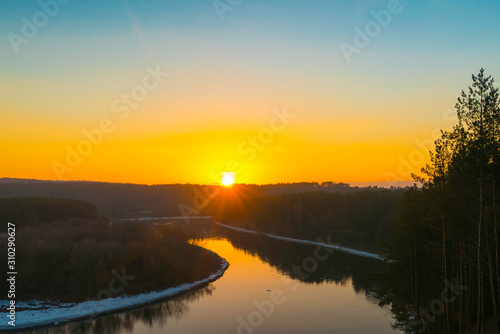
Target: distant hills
[135, 200]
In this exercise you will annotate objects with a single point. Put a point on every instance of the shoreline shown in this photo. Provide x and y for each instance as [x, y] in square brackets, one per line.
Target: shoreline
[308, 242]
[56, 316]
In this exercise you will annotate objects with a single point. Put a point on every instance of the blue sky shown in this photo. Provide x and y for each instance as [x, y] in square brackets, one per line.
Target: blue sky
[465, 33]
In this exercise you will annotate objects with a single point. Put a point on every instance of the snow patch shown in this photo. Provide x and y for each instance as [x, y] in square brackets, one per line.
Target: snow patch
[309, 242]
[81, 311]
[165, 218]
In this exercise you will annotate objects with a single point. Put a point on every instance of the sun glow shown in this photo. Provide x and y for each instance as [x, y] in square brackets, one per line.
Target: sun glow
[227, 179]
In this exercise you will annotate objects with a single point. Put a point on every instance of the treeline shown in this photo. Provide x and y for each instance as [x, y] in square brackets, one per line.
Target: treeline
[301, 187]
[445, 274]
[38, 210]
[135, 200]
[115, 199]
[359, 219]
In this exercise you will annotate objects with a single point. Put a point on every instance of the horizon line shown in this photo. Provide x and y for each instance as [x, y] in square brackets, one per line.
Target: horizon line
[359, 184]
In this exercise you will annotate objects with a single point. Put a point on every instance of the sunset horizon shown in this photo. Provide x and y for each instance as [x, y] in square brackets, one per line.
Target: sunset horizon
[361, 184]
[250, 166]
[176, 100]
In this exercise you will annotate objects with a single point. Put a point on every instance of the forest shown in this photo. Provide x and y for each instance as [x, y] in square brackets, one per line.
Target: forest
[136, 200]
[38, 210]
[445, 271]
[67, 252]
[360, 219]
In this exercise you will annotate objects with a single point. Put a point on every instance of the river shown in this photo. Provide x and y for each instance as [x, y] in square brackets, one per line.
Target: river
[271, 286]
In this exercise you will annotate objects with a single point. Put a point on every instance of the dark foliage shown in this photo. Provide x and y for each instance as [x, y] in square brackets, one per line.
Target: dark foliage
[445, 277]
[134, 200]
[76, 259]
[359, 219]
[38, 210]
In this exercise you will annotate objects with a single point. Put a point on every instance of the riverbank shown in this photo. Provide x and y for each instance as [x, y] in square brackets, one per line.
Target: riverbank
[68, 312]
[308, 242]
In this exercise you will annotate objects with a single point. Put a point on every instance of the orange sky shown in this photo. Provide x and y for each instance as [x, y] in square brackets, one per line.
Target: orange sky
[94, 83]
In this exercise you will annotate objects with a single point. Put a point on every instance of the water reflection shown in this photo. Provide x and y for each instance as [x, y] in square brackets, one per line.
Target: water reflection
[154, 315]
[286, 257]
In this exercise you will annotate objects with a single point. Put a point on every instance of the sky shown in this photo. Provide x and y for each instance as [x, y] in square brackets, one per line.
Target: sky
[157, 92]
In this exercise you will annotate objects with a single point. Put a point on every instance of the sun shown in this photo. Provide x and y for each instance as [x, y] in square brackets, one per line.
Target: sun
[227, 179]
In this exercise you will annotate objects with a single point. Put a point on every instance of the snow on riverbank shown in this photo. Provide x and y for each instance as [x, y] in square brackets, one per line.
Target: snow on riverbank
[81, 311]
[308, 242]
[166, 218]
